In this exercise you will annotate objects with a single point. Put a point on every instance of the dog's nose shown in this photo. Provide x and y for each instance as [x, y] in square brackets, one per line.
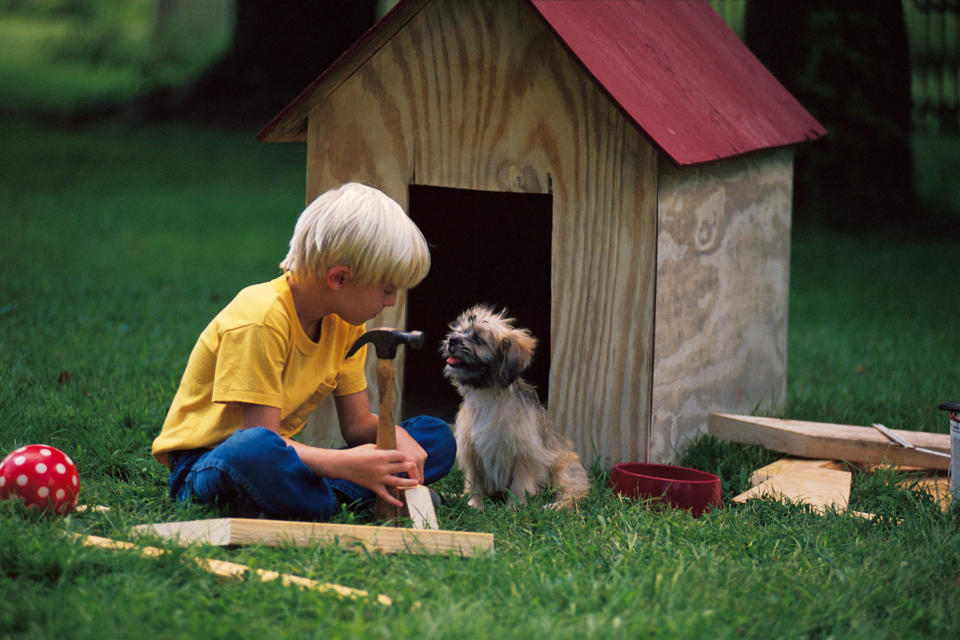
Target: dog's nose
[454, 341]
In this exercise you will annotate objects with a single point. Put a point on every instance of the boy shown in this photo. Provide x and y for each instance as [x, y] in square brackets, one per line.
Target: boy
[273, 354]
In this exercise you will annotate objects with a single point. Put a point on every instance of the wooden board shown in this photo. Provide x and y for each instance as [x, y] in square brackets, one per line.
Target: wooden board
[419, 506]
[721, 295]
[235, 571]
[231, 531]
[834, 441]
[938, 488]
[785, 465]
[821, 488]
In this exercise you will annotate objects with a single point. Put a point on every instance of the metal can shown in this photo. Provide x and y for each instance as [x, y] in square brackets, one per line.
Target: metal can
[954, 411]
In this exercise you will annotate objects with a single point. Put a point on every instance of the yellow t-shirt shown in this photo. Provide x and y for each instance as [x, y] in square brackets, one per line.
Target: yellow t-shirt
[255, 351]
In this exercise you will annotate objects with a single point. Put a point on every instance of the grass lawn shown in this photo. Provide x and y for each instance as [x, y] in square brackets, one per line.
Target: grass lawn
[120, 244]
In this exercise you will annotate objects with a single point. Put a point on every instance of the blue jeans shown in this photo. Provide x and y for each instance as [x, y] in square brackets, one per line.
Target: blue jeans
[254, 472]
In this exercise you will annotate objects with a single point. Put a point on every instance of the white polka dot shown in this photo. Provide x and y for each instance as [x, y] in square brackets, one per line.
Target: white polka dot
[19, 460]
[68, 459]
[22, 479]
[61, 468]
[20, 449]
[60, 494]
[46, 452]
[41, 468]
[74, 480]
[43, 492]
[3, 481]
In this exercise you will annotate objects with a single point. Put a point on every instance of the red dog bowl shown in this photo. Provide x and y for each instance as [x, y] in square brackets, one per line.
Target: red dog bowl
[681, 487]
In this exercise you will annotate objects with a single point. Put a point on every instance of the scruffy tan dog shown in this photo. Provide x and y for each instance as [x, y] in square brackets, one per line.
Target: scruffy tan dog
[506, 444]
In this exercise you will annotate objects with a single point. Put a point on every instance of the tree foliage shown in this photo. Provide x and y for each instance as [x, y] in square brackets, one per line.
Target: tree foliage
[278, 47]
[848, 64]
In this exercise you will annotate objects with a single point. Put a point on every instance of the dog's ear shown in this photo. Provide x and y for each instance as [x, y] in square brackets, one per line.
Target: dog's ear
[516, 353]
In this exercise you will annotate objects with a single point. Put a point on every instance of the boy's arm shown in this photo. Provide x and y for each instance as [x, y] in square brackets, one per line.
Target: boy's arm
[365, 465]
[358, 424]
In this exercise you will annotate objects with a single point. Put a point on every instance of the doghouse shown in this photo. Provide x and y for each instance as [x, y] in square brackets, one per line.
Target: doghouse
[617, 173]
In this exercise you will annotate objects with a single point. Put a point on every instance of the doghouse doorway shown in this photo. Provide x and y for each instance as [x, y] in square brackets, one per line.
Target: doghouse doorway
[486, 247]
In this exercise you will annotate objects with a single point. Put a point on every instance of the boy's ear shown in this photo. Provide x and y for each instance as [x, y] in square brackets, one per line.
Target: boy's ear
[338, 276]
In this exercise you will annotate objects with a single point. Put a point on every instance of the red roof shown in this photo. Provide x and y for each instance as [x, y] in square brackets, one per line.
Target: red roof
[674, 68]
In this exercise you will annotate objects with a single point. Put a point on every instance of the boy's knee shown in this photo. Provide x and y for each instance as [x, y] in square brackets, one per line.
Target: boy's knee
[246, 458]
[247, 446]
[232, 471]
[205, 486]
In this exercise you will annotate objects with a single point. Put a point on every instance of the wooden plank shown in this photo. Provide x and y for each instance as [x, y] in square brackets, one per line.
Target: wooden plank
[230, 531]
[234, 571]
[821, 488]
[937, 487]
[721, 295]
[785, 465]
[835, 441]
[91, 508]
[419, 506]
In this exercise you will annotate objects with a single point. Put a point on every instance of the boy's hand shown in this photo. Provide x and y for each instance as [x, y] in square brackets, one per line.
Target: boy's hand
[376, 469]
[411, 447]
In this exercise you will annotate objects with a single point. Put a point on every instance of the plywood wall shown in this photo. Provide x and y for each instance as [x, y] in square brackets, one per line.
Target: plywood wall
[479, 95]
[723, 264]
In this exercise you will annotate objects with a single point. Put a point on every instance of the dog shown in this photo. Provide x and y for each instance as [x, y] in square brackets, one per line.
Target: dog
[507, 445]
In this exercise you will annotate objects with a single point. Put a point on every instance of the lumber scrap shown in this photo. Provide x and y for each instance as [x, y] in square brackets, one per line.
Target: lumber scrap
[419, 506]
[790, 464]
[91, 508]
[823, 489]
[937, 487]
[234, 571]
[238, 531]
[834, 441]
[935, 484]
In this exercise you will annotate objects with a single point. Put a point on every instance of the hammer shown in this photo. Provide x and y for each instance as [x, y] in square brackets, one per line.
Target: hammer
[385, 341]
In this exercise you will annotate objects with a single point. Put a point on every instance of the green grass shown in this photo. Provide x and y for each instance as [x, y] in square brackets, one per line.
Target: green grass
[119, 244]
[872, 337]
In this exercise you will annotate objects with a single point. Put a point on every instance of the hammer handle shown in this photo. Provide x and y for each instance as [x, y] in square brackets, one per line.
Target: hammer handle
[386, 430]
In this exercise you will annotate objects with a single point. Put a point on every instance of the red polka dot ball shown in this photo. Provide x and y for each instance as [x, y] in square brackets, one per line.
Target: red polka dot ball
[43, 476]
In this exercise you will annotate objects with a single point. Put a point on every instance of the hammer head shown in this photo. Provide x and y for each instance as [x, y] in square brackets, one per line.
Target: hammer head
[386, 341]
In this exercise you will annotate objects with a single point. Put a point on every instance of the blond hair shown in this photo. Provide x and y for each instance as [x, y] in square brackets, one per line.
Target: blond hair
[361, 228]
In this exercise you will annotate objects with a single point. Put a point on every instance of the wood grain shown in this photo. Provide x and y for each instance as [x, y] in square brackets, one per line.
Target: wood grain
[835, 441]
[419, 507]
[785, 465]
[723, 266]
[821, 488]
[230, 531]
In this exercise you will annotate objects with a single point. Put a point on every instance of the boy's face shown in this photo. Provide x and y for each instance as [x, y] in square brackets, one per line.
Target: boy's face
[360, 304]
